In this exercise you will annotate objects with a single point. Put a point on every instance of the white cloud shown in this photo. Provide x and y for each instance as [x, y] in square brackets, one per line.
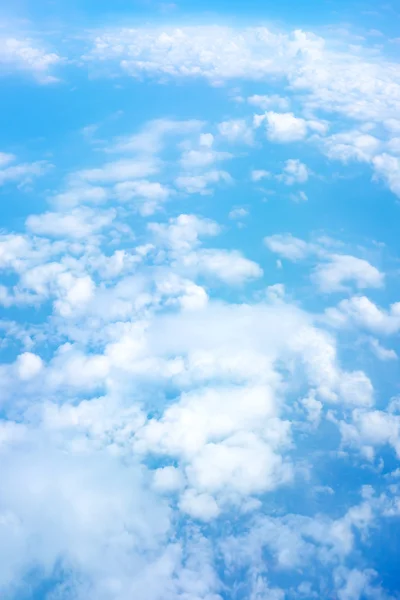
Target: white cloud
[183, 232]
[22, 173]
[199, 184]
[227, 266]
[79, 223]
[284, 127]
[340, 269]
[352, 145]
[119, 170]
[236, 130]
[288, 246]
[387, 167]
[381, 352]
[206, 140]
[74, 293]
[360, 311]
[152, 137]
[103, 524]
[299, 197]
[198, 159]
[147, 195]
[168, 479]
[28, 365]
[18, 54]
[294, 172]
[371, 429]
[149, 402]
[258, 175]
[266, 102]
[238, 213]
[354, 584]
[348, 80]
[76, 195]
[199, 506]
[6, 158]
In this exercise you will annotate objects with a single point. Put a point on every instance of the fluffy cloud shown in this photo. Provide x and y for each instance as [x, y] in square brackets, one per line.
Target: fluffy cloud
[80, 223]
[332, 270]
[228, 266]
[22, 54]
[294, 172]
[20, 173]
[366, 88]
[199, 184]
[174, 406]
[236, 131]
[283, 127]
[341, 269]
[371, 429]
[362, 312]
[387, 167]
[287, 246]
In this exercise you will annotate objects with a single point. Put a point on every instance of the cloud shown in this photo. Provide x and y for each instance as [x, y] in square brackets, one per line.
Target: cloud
[21, 173]
[228, 266]
[22, 54]
[199, 184]
[238, 213]
[79, 194]
[371, 429]
[147, 195]
[294, 172]
[283, 127]
[197, 159]
[259, 174]
[266, 102]
[115, 171]
[352, 145]
[288, 246]
[341, 269]
[6, 158]
[366, 89]
[299, 197]
[79, 223]
[362, 312]
[173, 409]
[183, 233]
[382, 353]
[236, 130]
[387, 167]
[29, 365]
[152, 137]
[332, 270]
[96, 516]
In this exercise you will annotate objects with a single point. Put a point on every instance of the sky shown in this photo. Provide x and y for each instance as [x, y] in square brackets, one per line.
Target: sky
[199, 300]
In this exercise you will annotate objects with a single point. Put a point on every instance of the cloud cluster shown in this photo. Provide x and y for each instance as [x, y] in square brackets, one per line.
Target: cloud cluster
[175, 408]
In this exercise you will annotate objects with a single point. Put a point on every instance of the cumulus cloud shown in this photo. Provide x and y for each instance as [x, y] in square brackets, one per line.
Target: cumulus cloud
[200, 184]
[332, 271]
[79, 223]
[288, 246]
[283, 127]
[362, 312]
[340, 269]
[174, 410]
[259, 174]
[294, 171]
[236, 131]
[23, 54]
[273, 101]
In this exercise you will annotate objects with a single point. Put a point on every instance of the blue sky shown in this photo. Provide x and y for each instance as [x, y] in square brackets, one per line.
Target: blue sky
[199, 300]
